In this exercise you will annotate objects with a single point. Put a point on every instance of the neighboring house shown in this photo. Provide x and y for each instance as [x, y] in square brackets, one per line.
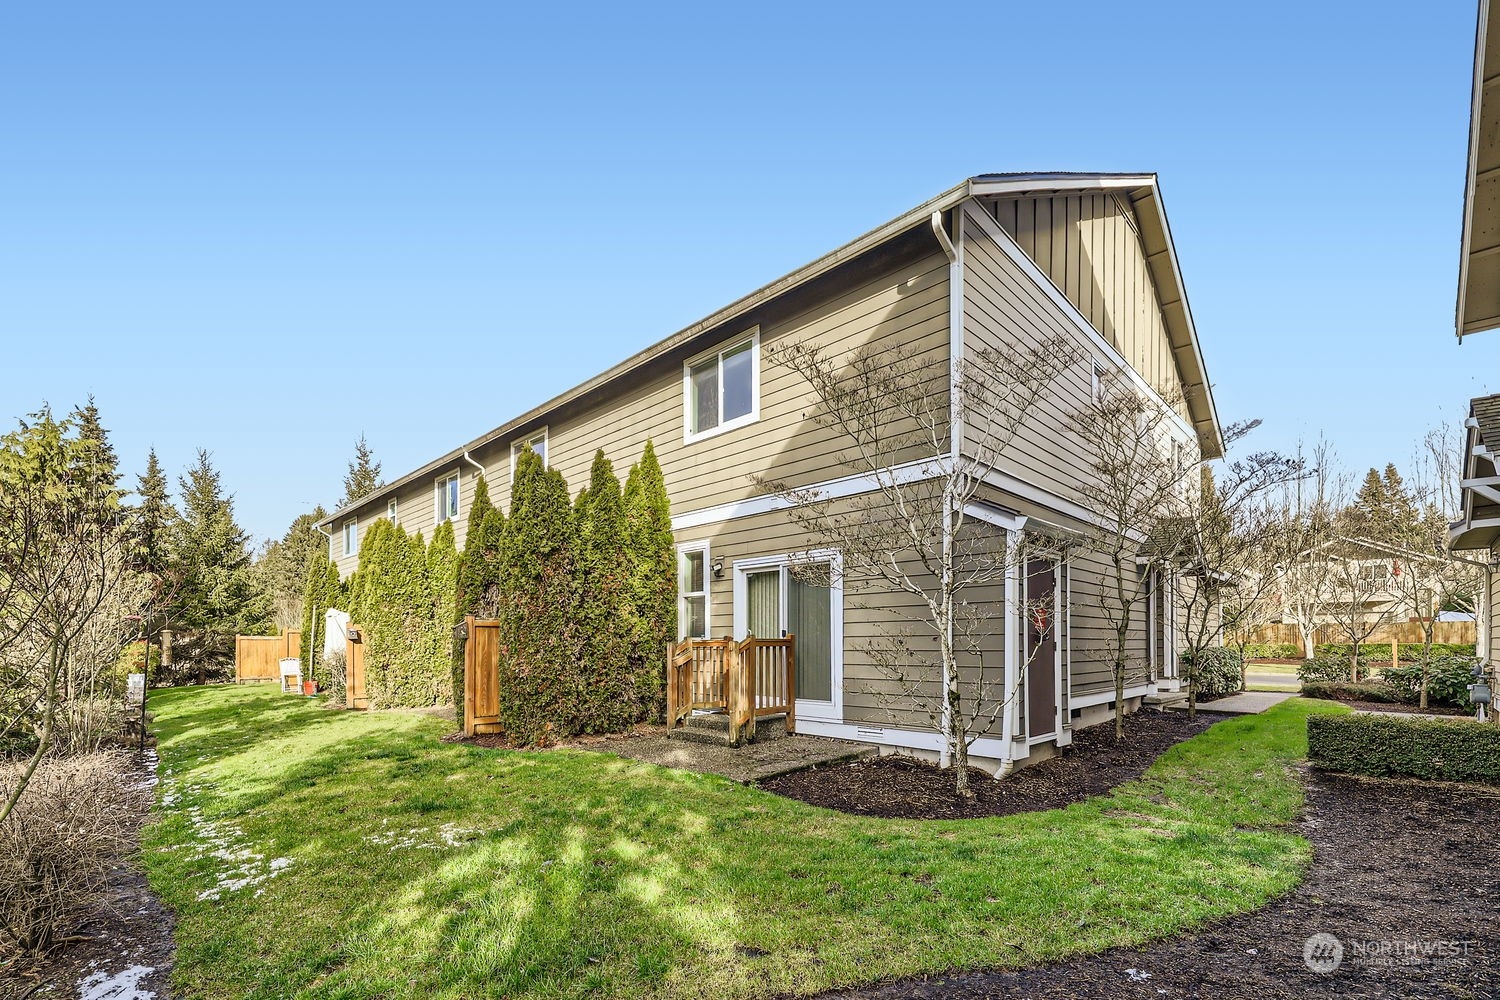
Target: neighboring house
[1478, 531]
[1001, 259]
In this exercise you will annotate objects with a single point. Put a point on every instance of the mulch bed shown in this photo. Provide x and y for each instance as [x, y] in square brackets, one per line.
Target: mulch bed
[1406, 875]
[129, 930]
[1381, 706]
[901, 788]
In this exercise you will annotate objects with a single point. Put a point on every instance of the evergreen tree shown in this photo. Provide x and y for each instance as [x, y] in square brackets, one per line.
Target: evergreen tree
[282, 566]
[321, 590]
[98, 462]
[539, 632]
[395, 607]
[653, 574]
[442, 584]
[363, 477]
[155, 520]
[614, 697]
[218, 597]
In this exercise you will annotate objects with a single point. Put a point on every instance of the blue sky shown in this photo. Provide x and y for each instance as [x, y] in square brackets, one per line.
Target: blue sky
[267, 230]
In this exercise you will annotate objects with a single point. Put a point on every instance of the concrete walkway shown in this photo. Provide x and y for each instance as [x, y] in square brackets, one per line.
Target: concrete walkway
[1244, 703]
[747, 764]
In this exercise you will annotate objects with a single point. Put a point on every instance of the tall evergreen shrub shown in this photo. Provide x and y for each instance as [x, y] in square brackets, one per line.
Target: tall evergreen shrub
[539, 632]
[395, 607]
[442, 585]
[321, 590]
[612, 696]
[477, 591]
[652, 556]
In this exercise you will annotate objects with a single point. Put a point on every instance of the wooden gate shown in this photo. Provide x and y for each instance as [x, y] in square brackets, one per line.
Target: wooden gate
[258, 657]
[354, 668]
[481, 676]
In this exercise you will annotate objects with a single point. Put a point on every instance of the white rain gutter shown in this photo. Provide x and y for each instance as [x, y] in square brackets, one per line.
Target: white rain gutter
[473, 463]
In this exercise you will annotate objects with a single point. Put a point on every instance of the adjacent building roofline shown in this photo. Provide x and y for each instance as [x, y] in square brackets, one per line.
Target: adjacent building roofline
[1478, 307]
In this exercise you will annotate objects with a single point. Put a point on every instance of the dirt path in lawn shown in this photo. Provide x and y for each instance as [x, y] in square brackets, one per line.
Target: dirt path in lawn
[127, 949]
[1405, 880]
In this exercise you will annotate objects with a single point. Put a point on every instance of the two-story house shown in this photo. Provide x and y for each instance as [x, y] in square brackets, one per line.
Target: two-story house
[1001, 259]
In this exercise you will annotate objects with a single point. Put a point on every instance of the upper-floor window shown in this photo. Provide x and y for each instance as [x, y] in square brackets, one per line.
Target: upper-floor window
[536, 442]
[390, 513]
[446, 499]
[721, 390]
[351, 536]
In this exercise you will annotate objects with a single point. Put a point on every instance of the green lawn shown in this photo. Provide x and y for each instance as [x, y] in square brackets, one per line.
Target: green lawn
[379, 862]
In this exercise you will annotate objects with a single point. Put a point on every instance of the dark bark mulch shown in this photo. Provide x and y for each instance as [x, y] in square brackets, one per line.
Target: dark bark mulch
[1381, 706]
[902, 788]
[1406, 876]
[129, 929]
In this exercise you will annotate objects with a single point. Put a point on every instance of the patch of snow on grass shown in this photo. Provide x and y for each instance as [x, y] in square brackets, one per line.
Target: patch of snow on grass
[422, 837]
[123, 985]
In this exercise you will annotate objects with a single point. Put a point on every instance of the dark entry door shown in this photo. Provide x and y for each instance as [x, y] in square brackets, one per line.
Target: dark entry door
[1041, 648]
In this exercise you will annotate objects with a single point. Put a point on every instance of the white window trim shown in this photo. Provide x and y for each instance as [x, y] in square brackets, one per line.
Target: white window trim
[392, 512]
[688, 434]
[440, 498]
[352, 522]
[708, 578]
[826, 711]
[1060, 642]
[519, 443]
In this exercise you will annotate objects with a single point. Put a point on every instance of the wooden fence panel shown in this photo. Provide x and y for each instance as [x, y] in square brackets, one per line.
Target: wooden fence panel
[1454, 633]
[258, 657]
[355, 695]
[482, 677]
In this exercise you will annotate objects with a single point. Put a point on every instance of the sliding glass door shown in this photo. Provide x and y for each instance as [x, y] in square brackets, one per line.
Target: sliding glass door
[772, 601]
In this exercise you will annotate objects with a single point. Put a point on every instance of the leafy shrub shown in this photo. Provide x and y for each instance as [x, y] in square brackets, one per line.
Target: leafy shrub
[1382, 746]
[1216, 671]
[1448, 681]
[59, 847]
[335, 670]
[1328, 668]
[1272, 651]
[1345, 690]
[1411, 652]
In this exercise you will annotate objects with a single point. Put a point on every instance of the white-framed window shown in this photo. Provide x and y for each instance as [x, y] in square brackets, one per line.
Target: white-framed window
[445, 498]
[692, 590]
[1096, 389]
[721, 389]
[537, 442]
[773, 599]
[391, 513]
[351, 536]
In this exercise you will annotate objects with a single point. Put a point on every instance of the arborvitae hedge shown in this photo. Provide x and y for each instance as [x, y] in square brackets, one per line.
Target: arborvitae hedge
[404, 667]
[442, 584]
[613, 695]
[321, 590]
[479, 569]
[653, 576]
[539, 677]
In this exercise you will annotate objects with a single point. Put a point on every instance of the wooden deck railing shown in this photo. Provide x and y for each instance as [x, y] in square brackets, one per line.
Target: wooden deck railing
[745, 680]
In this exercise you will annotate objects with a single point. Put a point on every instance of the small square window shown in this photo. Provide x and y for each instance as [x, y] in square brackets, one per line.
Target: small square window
[446, 498]
[722, 390]
[536, 442]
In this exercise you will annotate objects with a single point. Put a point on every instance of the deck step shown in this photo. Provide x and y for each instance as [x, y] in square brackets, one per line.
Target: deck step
[714, 728]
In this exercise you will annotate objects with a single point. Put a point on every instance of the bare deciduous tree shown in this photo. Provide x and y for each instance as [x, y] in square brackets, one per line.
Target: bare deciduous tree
[915, 531]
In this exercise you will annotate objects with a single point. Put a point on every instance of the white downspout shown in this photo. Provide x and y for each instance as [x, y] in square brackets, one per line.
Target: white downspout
[955, 435]
[473, 463]
[1012, 651]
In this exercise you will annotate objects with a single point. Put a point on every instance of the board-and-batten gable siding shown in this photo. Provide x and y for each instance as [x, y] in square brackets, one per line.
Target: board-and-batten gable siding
[1088, 245]
[908, 305]
[1004, 307]
[871, 695]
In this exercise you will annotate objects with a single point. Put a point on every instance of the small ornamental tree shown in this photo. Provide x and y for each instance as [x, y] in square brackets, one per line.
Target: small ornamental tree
[653, 576]
[613, 695]
[538, 630]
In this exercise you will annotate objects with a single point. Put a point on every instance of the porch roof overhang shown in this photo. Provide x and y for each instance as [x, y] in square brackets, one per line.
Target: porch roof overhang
[1479, 525]
[1478, 306]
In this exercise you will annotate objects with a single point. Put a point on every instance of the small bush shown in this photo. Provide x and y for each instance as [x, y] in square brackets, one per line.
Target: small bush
[335, 667]
[1328, 668]
[59, 847]
[1345, 690]
[1448, 681]
[1216, 671]
[1384, 746]
[1272, 651]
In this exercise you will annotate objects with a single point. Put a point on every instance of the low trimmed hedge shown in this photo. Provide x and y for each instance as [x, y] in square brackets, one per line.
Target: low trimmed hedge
[1329, 668]
[1383, 746]
[1272, 651]
[1344, 690]
[1410, 651]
